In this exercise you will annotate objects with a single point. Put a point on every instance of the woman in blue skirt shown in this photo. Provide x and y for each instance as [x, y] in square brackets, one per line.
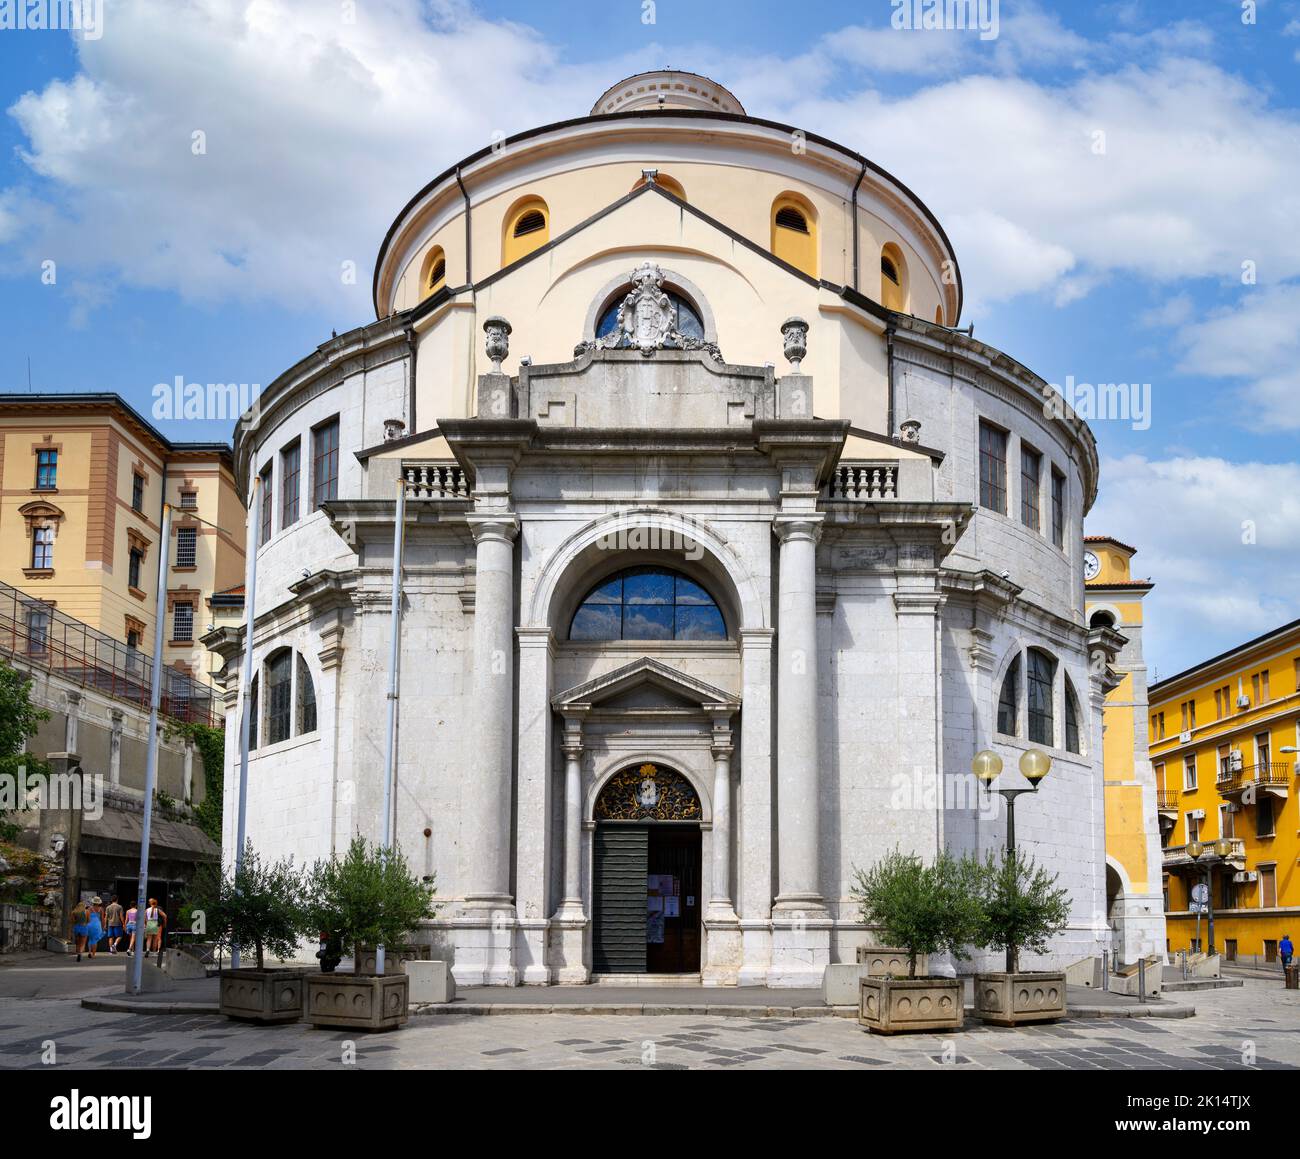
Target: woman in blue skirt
[94, 926]
[80, 916]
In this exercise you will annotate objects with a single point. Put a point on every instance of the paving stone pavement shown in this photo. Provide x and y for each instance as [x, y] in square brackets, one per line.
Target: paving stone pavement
[1252, 1028]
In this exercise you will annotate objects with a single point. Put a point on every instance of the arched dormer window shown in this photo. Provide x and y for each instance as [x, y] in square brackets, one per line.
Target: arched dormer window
[666, 183]
[1040, 676]
[1072, 717]
[794, 233]
[1009, 700]
[433, 272]
[893, 278]
[648, 603]
[527, 228]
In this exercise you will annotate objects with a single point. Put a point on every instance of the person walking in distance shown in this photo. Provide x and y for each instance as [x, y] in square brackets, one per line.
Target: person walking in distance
[1286, 951]
[94, 925]
[132, 918]
[80, 916]
[113, 919]
[152, 926]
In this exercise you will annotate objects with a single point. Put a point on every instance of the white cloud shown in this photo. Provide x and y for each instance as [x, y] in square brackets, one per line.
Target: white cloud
[1217, 538]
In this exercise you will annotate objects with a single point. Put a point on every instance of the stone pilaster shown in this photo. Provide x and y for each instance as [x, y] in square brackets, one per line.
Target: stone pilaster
[721, 924]
[569, 922]
[753, 825]
[533, 851]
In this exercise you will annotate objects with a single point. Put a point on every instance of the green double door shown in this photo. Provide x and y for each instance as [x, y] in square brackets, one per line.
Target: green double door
[646, 887]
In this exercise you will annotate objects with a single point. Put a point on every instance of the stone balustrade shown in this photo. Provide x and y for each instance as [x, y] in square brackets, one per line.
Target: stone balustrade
[863, 481]
[434, 480]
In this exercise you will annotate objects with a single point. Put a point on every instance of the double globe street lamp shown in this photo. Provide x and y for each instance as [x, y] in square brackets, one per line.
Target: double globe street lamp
[1195, 850]
[987, 766]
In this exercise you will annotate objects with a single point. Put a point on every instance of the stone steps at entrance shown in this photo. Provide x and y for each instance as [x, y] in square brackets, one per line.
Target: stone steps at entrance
[646, 980]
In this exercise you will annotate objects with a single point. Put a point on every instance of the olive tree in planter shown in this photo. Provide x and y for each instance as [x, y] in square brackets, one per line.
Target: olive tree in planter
[925, 910]
[373, 899]
[259, 908]
[1021, 907]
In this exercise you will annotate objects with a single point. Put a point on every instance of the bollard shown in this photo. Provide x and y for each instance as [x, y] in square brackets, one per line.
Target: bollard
[1105, 970]
[1184, 954]
[1142, 977]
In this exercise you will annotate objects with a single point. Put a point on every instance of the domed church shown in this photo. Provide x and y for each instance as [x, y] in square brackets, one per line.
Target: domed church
[725, 551]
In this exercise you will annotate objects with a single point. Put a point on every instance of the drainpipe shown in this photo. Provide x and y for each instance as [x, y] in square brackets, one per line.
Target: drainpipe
[854, 224]
[889, 378]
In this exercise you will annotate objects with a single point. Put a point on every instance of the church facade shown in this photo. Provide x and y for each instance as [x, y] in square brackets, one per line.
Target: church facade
[725, 552]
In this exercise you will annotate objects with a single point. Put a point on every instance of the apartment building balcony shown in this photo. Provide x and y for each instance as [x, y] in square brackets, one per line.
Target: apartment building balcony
[1167, 802]
[1175, 858]
[1272, 777]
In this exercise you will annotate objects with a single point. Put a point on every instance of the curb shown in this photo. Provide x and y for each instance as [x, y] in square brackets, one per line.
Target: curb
[634, 1009]
[1204, 984]
[127, 1006]
[1172, 1010]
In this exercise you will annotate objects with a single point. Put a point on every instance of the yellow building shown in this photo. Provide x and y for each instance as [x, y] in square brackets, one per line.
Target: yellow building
[83, 478]
[1113, 598]
[1223, 738]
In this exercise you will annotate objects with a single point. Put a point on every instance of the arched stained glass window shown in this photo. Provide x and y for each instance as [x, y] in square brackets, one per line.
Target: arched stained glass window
[1042, 674]
[1072, 744]
[1009, 700]
[686, 319]
[648, 603]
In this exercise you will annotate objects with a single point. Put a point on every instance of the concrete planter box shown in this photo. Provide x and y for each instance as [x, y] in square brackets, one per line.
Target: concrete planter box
[1013, 999]
[889, 1005]
[882, 960]
[358, 1001]
[261, 995]
[394, 957]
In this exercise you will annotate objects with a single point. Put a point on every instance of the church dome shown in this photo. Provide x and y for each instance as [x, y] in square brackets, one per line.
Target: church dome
[667, 89]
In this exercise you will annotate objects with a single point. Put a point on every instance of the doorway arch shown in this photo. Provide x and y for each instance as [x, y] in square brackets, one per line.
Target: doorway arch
[647, 872]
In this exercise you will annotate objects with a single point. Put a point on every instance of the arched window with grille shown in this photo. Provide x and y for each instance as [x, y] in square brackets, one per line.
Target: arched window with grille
[527, 227]
[794, 233]
[1009, 700]
[893, 278]
[433, 272]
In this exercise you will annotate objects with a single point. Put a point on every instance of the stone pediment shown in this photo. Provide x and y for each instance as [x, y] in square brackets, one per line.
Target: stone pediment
[622, 387]
[645, 684]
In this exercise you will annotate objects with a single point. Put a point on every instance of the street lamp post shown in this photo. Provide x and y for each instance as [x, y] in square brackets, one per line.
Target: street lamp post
[986, 766]
[1195, 850]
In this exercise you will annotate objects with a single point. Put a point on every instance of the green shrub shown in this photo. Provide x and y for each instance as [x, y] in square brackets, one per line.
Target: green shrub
[260, 907]
[1021, 906]
[922, 908]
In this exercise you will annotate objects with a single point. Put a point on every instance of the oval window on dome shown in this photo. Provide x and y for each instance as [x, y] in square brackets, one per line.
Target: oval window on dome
[686, 319]
[648, 603]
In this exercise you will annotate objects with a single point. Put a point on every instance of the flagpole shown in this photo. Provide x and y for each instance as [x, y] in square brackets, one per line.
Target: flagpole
[246, 680]
[394, 656]
[151, 758]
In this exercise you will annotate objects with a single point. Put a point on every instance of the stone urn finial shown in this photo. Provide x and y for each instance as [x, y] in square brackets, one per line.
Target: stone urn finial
[909, 431]
[795, 333]
[497, 330]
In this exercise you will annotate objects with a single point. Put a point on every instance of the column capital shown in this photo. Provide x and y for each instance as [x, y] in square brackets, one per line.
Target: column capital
[502, 527]
[789, 528]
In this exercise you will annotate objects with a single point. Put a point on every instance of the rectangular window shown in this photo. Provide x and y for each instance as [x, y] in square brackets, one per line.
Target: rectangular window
[290, 478]
[1058, 508]
[1225, 771]
[133, 568]
[1263, 750]
[38, 631]
[1230, 948]
[1267, 886]
[1193, 828]
[187, 546]
[43, 547]
[1189, 774]
[1159, 771]
[47, 470]
[189, 500]
[1188, 708]
[1218, 704]
[1263, 685]
[137, 492]
[267, 504]
[1225, 822]
[325, 463]
[1270, 949]
[1031, 469]
[1227, 892]
[183, 622]
[1265, 817]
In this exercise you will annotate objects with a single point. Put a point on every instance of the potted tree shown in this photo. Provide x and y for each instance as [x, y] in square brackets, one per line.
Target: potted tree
[258, 909]
[1021, 907]
[924, 910]
[372, 898]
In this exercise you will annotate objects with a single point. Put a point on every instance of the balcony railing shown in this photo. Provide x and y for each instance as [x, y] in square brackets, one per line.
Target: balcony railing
[36, 635]
[1175, 856]
[1167, 799]
[434, 480]
[1267, 775]
[864, 481]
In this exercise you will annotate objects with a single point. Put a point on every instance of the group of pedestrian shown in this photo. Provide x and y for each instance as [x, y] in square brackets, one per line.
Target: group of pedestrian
[93, 922]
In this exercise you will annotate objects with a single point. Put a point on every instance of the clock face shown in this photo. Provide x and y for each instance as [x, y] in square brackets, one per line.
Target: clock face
[1091, 566]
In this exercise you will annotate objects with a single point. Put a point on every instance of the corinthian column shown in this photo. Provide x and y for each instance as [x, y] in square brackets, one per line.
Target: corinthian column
[798, 799]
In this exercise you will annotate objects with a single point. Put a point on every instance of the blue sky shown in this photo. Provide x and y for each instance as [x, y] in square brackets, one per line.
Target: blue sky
[1122, 263]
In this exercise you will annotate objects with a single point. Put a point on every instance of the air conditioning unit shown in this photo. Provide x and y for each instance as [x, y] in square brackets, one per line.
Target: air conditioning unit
[1245, 876]
[1234, 761]
[1199, 814]
[1184, 738]
[1243, 701]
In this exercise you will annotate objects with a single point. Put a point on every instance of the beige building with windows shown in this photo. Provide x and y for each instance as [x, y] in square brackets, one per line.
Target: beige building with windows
[83, 478]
